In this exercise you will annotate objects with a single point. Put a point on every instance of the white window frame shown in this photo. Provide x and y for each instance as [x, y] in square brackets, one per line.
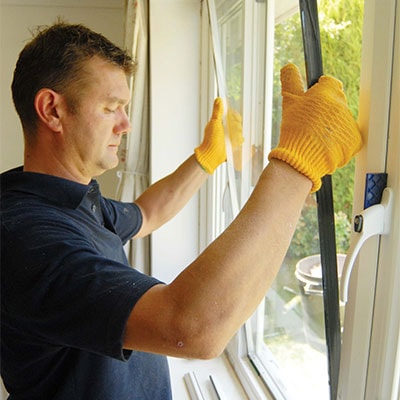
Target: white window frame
[370, 362]
[371, 350]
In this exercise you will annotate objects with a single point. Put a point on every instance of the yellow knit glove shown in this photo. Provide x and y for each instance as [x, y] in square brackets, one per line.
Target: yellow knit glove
[234, 121]
[318, 132]
[211, 153]
[235, 129]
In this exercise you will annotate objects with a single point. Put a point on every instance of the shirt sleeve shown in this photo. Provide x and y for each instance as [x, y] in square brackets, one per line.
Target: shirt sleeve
[126, 218]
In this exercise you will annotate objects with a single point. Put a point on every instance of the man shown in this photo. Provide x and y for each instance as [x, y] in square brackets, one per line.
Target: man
[77, 321]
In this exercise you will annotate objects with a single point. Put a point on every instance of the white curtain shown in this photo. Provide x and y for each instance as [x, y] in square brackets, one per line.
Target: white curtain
[133, 176]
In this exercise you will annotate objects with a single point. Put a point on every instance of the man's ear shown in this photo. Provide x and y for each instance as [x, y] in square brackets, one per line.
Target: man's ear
[48, 105]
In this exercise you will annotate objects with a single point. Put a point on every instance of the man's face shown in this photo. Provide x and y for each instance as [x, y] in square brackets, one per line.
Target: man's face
[94, 130]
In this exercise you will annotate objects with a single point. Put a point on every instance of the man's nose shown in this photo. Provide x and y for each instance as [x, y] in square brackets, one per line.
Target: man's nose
[124, 126]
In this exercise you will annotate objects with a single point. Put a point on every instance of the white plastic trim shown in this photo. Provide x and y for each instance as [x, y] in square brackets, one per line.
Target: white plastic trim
[376, 220]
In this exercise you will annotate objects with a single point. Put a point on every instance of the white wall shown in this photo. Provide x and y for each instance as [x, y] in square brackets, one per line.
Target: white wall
[175, 130]
[17, 18]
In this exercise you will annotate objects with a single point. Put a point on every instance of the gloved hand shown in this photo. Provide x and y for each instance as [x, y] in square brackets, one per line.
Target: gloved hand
[318, 132]
[211, 153]
[234, 121]
[235, 129]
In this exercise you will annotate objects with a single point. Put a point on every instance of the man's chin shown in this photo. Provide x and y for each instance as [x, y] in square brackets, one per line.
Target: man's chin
[107, 167]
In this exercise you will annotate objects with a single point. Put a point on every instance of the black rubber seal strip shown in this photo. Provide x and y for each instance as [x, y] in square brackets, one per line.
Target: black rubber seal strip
[326, 217]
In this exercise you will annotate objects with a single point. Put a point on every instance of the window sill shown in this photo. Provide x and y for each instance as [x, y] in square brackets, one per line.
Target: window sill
[219, 369]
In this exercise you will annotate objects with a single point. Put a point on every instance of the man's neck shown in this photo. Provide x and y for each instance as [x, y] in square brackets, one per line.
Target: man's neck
[46, 161]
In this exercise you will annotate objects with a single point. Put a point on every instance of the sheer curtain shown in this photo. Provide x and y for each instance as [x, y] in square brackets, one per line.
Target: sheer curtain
[133, 176]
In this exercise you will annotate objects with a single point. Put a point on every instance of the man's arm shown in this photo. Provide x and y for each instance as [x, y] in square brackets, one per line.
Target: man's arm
[165, 198]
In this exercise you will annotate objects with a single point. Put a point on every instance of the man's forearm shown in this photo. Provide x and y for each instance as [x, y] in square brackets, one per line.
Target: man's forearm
[166, 197]
[236, 270]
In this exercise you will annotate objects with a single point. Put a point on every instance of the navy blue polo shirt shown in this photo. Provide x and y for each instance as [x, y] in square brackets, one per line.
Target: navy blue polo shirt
[66, 292]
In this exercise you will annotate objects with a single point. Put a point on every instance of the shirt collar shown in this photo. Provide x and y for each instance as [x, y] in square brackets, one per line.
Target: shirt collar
[57, 190]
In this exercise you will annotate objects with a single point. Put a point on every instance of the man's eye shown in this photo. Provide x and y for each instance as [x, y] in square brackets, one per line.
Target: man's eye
[110, 110]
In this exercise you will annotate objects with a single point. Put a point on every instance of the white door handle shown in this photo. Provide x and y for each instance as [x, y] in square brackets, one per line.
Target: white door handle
[374, 220]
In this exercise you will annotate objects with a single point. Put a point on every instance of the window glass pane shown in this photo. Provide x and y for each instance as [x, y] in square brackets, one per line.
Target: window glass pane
[294, 328]
[246, 141]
